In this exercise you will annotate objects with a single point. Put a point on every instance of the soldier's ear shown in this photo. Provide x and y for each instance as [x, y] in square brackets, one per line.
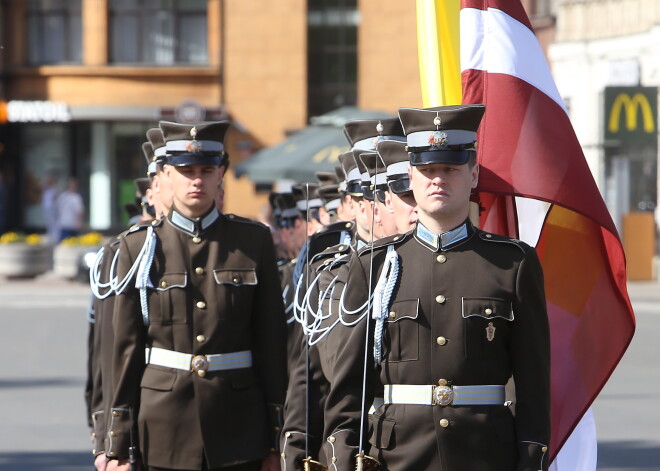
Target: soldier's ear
[475, 175]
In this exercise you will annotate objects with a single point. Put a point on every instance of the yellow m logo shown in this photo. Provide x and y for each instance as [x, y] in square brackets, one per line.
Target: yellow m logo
[631, 105]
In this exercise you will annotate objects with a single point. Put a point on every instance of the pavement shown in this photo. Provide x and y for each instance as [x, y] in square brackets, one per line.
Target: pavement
[43, 420]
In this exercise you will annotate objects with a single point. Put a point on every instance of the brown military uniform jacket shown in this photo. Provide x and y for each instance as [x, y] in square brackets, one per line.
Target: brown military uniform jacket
[305, 404]
[100, 350]
[216, 290]
[468, 309]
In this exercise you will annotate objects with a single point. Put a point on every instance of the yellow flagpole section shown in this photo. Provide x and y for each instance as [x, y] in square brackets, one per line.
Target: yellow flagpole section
[438, 35]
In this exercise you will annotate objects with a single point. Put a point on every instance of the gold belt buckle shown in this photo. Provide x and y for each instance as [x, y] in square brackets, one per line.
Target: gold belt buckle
[200, 365]
[443, 395]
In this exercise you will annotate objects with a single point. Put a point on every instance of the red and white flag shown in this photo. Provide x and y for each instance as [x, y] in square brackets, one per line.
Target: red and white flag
[535, 185]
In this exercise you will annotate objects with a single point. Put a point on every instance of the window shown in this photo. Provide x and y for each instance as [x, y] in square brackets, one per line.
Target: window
[158, 32]
[332, 55]
[54, 32]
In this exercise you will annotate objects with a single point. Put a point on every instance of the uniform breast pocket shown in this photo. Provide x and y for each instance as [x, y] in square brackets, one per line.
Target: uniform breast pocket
[402, 343]
[487, 325]
[169, 305]
[237, 286]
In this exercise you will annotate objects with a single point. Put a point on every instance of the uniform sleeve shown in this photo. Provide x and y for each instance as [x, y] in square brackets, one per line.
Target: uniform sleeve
[128, 356]
[531, 366]
[298, 440]
[269, 344]
[344, 403]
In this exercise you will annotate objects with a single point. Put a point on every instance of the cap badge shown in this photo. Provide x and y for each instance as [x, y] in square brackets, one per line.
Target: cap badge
[194, 145]
[438, 139]
[379, 130]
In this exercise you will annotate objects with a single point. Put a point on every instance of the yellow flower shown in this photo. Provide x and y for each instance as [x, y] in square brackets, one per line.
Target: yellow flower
[15, 237]
[91, 239]
[33, 239]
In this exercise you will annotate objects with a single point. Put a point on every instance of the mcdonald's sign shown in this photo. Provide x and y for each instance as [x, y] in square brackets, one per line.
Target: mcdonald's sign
[631, 114]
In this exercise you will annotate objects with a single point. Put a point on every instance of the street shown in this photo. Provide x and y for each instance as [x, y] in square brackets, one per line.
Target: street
[42, 374]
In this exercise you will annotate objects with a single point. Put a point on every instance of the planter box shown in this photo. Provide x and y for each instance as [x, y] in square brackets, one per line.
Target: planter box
[66, 259]
[18, 260]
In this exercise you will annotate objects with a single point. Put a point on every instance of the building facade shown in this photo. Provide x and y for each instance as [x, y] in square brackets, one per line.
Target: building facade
[606, 63]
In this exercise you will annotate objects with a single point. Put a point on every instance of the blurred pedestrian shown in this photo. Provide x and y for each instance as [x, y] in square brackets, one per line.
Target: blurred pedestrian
[49, 194]
[3, 204]
[70, 210]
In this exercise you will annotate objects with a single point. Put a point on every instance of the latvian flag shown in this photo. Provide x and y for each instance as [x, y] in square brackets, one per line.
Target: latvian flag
[535, 185]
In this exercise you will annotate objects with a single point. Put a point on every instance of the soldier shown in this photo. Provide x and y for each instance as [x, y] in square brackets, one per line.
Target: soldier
[328, 191]
[161, 188]
[384, 224]
[455, 312]
[399, 199]
[142, 199]
[199, 366]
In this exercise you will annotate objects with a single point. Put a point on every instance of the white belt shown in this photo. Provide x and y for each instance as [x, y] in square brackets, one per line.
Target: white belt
[198, 363]
[431, 395]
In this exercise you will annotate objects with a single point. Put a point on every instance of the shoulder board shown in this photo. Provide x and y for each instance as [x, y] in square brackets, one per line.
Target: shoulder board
[337, 227]
[385, 242]
[141, 226]
[235, 218]
[334, 261]
[333, 251]
[489, 237]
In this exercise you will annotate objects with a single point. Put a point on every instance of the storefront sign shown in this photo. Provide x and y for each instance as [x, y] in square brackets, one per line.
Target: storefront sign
[17, 111]
[631, 114]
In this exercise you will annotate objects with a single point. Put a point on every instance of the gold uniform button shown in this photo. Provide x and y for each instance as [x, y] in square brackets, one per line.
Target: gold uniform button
[544, 449]
[392, 315]
[111, 454]
[278, 408]
[199, 270]
[489, 236]
[94, 451]
[442, 382]
[332, 439]
[287, 435]
[283, 455]
[115, 413]
[488, 311]
[334, 459]
[442, 258]
[237, 279]
[154, 222]
[441, 341]
[440, 299]
[163, 284]
[348, 225]
[396, 238]
[112, 433]
[201, 338]
[201, 304]
[196, 240]
[444, 423]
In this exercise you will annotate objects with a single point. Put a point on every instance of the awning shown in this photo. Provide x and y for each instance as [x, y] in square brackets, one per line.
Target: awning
[314, 148]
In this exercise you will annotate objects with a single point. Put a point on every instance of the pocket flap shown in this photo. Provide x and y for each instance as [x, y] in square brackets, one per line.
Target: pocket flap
[160, 380]
[403, 309]
[172, 280]
[488, 308]
[235, 276]
[242, 378]
[381, 431]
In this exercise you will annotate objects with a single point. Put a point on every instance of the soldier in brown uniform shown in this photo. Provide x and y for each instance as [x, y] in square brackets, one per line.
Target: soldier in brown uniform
[312, 374]
[199, 370]
[455, 313]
